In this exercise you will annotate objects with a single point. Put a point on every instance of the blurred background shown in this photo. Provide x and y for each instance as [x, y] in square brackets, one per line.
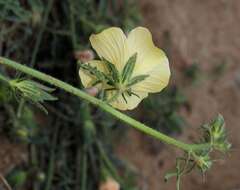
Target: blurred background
[76, 146]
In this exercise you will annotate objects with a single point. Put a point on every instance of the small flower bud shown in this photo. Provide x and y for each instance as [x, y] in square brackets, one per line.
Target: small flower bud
[203, 162]
[215, 133]
[217, 127]
[219, 135]
[84, 56]
[109, 184]
[93, 91]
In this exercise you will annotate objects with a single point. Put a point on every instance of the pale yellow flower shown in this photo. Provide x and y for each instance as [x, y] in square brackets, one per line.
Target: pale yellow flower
[113, 45]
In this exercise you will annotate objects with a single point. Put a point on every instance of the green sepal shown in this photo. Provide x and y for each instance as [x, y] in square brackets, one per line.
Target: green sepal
[112, 70]
[137, 79]
[124, 97]
[93, 71]
[33, 91]
[128, 68]
[130, 93]
[98, 74]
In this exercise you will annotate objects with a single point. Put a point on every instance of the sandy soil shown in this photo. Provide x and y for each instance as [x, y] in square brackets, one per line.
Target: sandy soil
[205, 32]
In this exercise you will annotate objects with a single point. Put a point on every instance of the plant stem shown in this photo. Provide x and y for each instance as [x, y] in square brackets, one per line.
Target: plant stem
[5, 183]
[99, 103]
[50, 172]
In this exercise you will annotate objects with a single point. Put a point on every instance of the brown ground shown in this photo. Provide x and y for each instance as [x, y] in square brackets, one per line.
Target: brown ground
[11, 154]
[206, 32]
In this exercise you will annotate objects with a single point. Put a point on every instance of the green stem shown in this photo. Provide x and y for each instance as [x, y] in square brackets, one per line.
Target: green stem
[84, 170]
[50, 172]
[108, 163]
[75, 91]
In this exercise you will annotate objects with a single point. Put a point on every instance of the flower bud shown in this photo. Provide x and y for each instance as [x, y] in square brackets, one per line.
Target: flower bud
[219, 135]
[109, 184]
[93, 91]
[84, 56]
[215, 133]
[203, 162]
[218, 127]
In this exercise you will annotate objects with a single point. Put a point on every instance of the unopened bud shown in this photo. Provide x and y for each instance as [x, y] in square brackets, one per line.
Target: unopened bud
[109, 184]
[84, 56]
[93, 91]
[203, 162]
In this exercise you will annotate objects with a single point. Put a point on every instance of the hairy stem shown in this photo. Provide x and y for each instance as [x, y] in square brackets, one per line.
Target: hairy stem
[99, 103]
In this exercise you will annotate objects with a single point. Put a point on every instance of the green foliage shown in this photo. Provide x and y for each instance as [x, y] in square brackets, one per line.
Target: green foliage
[12, 10]
[17, 178]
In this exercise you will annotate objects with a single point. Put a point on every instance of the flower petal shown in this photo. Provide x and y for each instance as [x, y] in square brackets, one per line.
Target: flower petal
[157, 67]
[151, 61]
[111, 45]
[132, 101]
[86, 78]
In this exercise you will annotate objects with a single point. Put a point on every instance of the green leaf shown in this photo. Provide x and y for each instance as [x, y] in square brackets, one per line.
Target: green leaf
[137, 79]
[112, 70]
[128, 68]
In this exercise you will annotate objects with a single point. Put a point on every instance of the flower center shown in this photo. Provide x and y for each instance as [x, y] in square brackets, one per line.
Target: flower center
[120, 81]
